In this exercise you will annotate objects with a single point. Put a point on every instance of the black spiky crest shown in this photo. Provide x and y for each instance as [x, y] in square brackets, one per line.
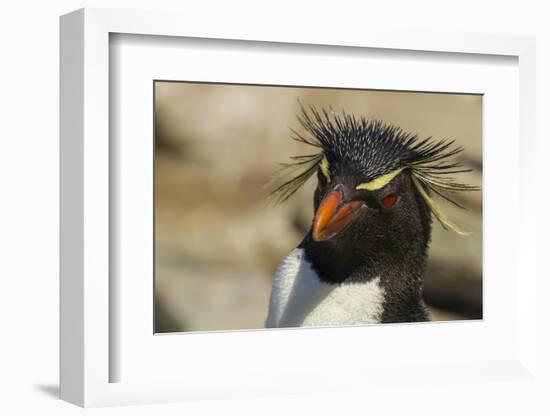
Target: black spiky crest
[376, 149]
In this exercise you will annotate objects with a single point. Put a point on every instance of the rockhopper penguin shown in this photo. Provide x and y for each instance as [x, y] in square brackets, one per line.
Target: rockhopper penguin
[362, 261]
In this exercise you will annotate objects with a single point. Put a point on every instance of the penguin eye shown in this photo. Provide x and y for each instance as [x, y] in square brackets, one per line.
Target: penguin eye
[389, 201]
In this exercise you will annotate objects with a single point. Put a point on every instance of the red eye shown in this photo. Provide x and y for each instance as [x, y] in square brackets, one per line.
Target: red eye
[390, 200]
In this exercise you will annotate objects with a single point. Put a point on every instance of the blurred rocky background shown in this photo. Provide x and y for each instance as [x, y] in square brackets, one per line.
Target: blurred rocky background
[218, 240]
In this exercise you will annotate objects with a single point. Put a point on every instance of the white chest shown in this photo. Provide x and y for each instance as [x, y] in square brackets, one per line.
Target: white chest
[299, 298]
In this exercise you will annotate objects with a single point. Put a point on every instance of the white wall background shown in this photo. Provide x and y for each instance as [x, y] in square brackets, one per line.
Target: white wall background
[29, 198]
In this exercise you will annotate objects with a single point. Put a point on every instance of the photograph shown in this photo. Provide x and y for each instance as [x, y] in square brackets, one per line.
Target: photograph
[301, 206]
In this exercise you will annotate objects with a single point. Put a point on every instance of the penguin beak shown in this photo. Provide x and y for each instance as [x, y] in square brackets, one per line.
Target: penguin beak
[334, 215]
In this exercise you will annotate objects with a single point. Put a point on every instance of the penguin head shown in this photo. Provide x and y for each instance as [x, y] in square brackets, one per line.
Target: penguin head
[375, 181]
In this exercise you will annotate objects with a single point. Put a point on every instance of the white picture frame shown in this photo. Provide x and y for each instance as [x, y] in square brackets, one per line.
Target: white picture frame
[87, 301]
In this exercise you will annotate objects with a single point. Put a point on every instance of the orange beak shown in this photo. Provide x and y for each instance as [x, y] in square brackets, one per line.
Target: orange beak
[332, 216]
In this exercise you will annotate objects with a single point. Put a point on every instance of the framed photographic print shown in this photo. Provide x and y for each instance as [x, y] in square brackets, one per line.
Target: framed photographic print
[218, 244]
[271, 213]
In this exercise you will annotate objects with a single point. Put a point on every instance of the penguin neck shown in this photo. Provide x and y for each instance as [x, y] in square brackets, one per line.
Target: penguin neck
[399, 273]
[338, 262]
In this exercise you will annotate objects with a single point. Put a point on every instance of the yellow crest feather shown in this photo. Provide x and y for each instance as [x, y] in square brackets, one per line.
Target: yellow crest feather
[442, 218]
[379, 182]
[325, 168]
